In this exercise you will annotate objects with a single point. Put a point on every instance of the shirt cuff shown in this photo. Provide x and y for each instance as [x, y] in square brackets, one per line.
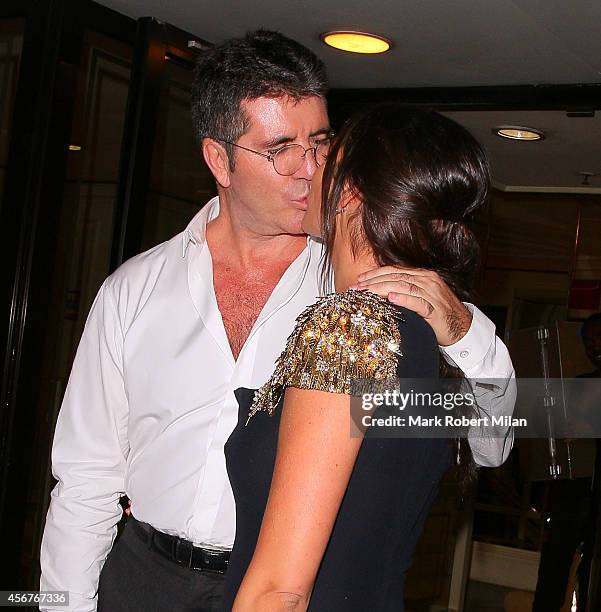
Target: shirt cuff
[470, 351]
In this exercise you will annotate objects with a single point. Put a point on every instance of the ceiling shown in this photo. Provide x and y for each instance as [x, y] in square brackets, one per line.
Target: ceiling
[439, 43]
[572, 145]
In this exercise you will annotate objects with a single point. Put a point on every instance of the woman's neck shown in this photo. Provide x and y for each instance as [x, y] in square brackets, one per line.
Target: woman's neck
[347, 268]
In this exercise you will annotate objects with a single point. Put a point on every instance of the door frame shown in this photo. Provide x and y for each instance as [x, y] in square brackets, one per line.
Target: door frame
[32, 201]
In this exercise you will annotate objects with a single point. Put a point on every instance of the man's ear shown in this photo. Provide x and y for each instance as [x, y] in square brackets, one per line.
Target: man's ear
[217, 160]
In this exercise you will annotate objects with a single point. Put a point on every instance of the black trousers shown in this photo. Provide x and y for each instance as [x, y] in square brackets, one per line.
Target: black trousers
[570, 525]
[137, 579]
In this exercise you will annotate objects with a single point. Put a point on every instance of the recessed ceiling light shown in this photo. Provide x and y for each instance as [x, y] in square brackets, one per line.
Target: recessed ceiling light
[74, 147]
[517, 132]
[356, 42]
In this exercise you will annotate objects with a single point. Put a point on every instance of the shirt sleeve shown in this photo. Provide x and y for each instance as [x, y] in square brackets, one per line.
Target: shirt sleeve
[88, 459]
[487, 366]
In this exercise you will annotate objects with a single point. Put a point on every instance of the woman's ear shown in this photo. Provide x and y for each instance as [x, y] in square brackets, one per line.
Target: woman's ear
[349, 227]
[217, 160]
[349, 201]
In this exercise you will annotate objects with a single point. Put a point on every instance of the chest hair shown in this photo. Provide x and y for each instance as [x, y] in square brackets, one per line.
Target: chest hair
[240, 300]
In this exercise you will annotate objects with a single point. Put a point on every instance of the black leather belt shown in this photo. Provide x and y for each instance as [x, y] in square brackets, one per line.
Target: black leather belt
[181, 551]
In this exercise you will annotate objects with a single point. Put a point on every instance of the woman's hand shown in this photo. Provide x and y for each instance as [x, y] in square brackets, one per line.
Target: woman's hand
[424, 292]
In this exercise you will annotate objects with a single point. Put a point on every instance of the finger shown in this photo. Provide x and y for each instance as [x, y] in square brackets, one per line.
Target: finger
[426, 276]
[387, 278]
[403, 281]
[432, 284]
[428, 293]
[417, 304]
[398, 269]
[375, 272]
[430, 274]
[404, 287]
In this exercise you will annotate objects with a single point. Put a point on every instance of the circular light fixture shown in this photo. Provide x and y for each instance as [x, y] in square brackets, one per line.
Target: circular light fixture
[518, 132]
[356, 42]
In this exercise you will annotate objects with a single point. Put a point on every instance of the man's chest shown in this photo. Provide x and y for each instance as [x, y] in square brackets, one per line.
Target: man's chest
[176, 354]
[240, 302]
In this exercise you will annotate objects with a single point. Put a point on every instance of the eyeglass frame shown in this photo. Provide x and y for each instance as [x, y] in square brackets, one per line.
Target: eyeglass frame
[270, 155]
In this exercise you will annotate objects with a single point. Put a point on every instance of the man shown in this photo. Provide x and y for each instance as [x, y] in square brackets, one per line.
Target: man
[174, 331]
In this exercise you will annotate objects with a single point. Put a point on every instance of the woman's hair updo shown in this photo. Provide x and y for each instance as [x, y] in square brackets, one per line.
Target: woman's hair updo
[420, 178]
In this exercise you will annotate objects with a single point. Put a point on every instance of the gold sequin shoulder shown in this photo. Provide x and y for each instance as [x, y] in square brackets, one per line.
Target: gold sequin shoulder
[342, 337]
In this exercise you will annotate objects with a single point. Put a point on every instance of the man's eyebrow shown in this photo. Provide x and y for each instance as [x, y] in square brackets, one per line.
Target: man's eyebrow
[276, 142]
[280, 140]
[321, 132]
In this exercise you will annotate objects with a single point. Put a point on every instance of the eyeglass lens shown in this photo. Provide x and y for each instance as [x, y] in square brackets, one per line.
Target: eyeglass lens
[289, 159]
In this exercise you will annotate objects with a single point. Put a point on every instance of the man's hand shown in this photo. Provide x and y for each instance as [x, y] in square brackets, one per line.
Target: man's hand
[424, 292]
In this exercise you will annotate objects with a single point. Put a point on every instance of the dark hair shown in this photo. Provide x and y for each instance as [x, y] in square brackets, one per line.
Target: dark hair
[420, 178]
[262, 63]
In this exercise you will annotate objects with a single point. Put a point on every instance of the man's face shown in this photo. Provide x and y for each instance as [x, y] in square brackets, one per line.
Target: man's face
[591, 338]
[262, 200]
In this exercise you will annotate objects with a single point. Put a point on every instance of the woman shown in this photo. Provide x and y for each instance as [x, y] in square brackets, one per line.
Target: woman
[335, 527]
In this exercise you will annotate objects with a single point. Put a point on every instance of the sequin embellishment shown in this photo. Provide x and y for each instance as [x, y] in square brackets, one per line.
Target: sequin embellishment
[342, 337]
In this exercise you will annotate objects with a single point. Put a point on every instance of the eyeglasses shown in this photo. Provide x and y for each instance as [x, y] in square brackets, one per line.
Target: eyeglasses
[288, 159]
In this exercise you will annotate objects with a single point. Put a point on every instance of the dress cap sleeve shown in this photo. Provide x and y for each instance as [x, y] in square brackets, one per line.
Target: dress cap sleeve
[342, 337]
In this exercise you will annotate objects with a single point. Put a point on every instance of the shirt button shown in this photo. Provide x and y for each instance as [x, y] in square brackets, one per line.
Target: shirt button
[464, 354]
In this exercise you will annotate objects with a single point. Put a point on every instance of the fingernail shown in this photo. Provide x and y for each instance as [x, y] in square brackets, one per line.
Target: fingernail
[361, 276]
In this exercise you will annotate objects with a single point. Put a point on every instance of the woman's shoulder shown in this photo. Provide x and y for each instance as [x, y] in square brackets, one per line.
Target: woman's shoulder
[415, 327]
[363, 313]
[376, 335]
[341, 338]
[350, 307]
[352, 322]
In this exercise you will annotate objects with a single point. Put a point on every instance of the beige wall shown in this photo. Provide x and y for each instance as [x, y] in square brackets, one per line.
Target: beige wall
[534, 245]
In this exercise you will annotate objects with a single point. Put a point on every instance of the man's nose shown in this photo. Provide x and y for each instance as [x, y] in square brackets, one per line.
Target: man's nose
[308, 167]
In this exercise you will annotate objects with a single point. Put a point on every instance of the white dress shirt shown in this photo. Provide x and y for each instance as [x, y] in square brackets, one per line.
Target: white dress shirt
[150, 404]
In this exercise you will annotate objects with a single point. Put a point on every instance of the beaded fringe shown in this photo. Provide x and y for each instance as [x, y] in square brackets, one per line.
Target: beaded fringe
[342, 337]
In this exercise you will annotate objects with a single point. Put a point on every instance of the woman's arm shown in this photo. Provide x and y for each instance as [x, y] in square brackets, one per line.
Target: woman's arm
[315, 458]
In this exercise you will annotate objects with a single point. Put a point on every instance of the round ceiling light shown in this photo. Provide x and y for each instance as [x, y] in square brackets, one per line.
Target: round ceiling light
[517, 132]
[356, 42]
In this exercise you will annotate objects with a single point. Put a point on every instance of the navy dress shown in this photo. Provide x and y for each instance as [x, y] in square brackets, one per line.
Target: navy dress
[391, 489]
